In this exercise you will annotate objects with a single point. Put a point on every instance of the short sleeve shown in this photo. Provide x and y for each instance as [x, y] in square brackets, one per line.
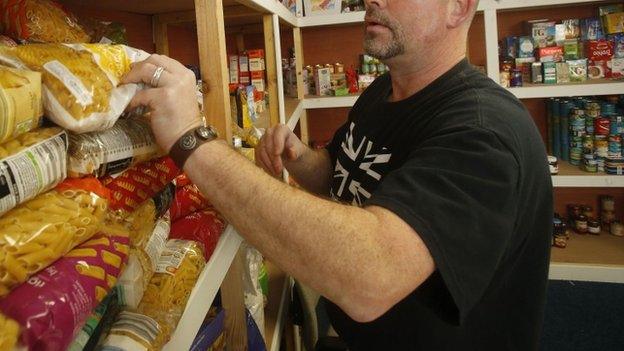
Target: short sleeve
[458, 191]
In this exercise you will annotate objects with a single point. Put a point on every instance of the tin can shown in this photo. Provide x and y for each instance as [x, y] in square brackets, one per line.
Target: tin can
[338, 68]
[576, 154]
[577, 142]
[588, 144]
[615, 146]
[505, 79]
[516, 78]
[331, 68]
[589, 124]
[592, 105]
[616, 124]
[593, 113]
[600, 164]
[607, 109]
[580, 224]
[617, 228]
[602, 126]
[593, 226]
[590, 166]
[602, 145]
[587, 210]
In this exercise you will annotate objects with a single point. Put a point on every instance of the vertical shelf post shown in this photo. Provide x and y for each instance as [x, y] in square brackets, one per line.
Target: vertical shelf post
[303, 120]
[278, 67]
[213, 65]
[161, 38]
[491, 44]
[271, 58]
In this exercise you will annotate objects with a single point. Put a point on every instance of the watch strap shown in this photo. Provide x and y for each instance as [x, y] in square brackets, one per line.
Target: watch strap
[189, 142]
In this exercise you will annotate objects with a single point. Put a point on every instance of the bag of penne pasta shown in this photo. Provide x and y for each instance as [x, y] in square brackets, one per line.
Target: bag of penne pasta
[9, 332]
[38, 232]
[31, 164]
[81, 90]
[43, 21]
[151, 325]
[20, 102]
[128, 142]
[56, 302]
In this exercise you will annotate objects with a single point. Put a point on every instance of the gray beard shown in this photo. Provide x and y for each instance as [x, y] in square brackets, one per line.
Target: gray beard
[383, 51]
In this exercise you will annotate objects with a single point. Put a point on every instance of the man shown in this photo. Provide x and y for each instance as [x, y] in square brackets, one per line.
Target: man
[447, 247]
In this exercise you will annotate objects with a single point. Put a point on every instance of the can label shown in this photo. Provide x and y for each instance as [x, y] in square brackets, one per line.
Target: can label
[602, 126]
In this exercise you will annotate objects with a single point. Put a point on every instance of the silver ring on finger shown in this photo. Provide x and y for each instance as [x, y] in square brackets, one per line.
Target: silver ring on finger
[156, 77]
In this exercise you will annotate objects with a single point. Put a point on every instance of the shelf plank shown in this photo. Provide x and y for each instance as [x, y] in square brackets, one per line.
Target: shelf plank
[312, 102]
[598, 258]
[572, 176]
[205, 290]
[589, 88]
[332, 20]
[274, 310]
[528, 4]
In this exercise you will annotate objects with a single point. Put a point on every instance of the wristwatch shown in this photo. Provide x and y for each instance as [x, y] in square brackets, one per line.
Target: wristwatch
[189, 142]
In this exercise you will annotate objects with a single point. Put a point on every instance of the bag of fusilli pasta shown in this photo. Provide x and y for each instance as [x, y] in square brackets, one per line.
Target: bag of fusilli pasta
[42, 21]
[44, 229]
[128, 142]
[20, 102]
[56, 302]
[81, 90]
[31, 164]
[151, 325]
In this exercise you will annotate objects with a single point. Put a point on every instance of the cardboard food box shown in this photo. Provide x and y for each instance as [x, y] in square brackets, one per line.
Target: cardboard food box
[322, 79]
[243, 63]
[571, 49]
[526, 48]
[591, 29]
[578, 70]
[537, 76]
[257, 80]
[542, 31]
[549, 72]
[617, 68]
[256, 60]
[572, 28]
[563, 72]
[550, 54]
[598, 69]
[233, 68]
[613, 23]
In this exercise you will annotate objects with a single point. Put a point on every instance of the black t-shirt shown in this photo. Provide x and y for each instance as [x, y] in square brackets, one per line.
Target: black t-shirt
[462, 162]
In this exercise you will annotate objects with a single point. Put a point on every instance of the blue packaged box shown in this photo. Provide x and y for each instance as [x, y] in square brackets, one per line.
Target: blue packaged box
[591, 29]
[510, 47]
[618, 44]
[526, 48]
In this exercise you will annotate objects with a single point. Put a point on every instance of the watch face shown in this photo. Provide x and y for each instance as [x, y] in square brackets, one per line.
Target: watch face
[188, 142]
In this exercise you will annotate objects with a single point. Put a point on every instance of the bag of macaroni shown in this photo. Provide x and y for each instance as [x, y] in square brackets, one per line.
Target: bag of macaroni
[150, 326]
[81, 82]
[9, 332]
[44, 229]
[53, 305]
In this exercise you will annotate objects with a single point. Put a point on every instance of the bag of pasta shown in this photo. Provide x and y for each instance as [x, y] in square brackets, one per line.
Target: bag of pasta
[31, 164]
[20, 102]
[128, 142]
[43, 21]
[205, 227]
[140, 183]
[81, 90]
[151, 325]
[9, 332]
[52, 308]
[42, 230]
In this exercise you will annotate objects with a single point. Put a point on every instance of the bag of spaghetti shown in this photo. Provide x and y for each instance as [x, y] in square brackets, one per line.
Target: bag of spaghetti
[9, 332]
[20, 102]
[52, 307]
[31, 164]
[151, 325]
[128, 142]
[43, 21]
[81, 90]
[38, 232]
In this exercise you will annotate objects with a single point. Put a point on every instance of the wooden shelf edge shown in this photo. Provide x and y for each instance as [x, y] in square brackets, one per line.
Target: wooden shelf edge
[586, 272]
[205, 291]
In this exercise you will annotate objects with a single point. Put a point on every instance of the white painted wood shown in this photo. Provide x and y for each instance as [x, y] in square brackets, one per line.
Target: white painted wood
[589, 89]
[296, 115]
[586, 272]
[329, 101]
[588, 181]
[491, 44]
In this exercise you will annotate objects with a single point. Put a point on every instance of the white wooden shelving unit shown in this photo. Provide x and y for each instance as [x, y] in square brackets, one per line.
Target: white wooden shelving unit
[575, 263]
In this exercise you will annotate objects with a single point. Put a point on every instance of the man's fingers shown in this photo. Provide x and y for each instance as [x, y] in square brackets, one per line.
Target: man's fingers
[265, 160]
[143, 72]
[279, 139]
[167, 63]
[145, 97]
[291, 153]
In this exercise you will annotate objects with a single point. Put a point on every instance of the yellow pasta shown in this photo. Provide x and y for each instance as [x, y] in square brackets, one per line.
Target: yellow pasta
[111, 258]
[38, 232]
[91, 271]
[9, 332]
[26, 140]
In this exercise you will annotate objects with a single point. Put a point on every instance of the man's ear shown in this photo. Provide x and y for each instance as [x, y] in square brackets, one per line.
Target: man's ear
[460, 12]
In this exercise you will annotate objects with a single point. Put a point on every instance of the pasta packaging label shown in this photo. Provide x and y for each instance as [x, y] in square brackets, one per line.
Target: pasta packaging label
[38, 163]
[40, 21]
[132, 331]
[20, 102]
[204, 227]
[188, 199]
[81, 90]
[140, 183]
[54, 304]
[111, 151]
[171, 257]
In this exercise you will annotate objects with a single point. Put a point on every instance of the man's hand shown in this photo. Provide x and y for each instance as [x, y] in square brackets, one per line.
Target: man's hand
[278, 146]
[173, 103]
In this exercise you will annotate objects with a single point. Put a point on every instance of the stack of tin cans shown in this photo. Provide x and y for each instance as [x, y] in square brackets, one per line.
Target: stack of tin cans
[587, 133]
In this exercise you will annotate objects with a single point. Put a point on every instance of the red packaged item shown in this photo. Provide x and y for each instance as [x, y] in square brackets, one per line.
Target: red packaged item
[599, 50]
[53, 305]
[140, 183]
[204, 226]
[550, 54]
[187, 199]
[598, 69]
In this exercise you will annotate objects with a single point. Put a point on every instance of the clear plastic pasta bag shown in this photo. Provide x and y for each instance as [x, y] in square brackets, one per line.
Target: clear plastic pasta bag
[128, 142]
[56, 302]
[9, 332]
[44, 229]
[81, 90]
[20, 102]
[31, 164]
[151, 325]
[41, 21]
